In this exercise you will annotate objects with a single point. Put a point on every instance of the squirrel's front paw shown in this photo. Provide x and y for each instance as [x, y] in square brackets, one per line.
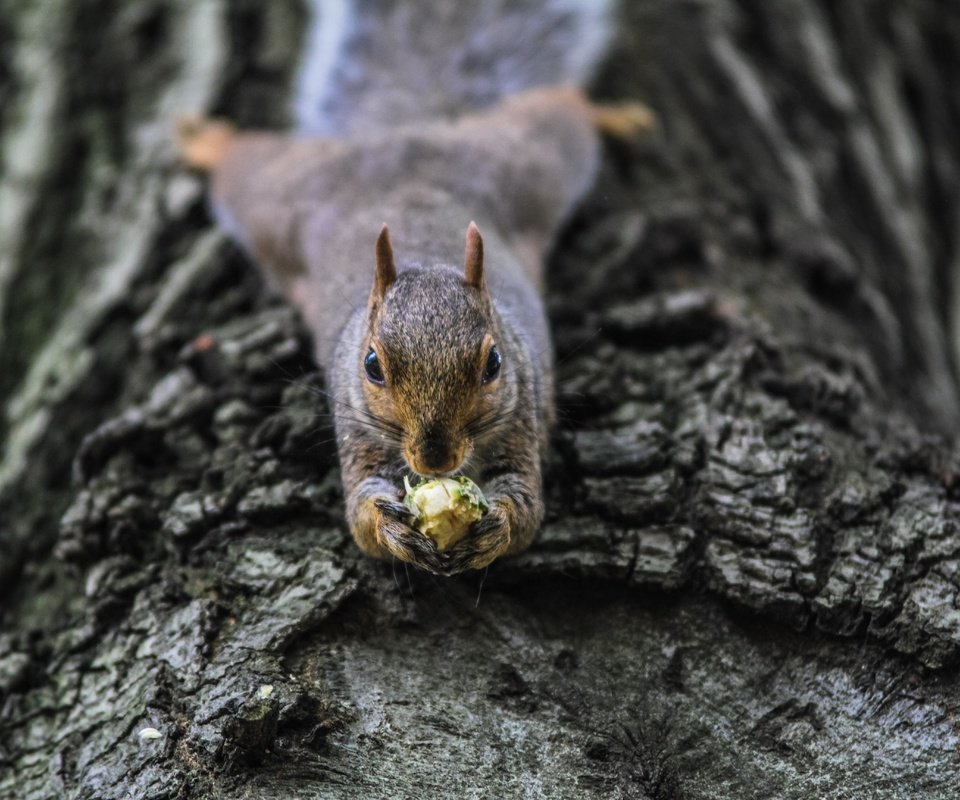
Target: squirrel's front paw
[397, 537]
[488, 539]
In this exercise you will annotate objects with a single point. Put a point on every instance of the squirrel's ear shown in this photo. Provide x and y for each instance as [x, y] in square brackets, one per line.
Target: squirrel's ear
[386, 272]
[473, 259]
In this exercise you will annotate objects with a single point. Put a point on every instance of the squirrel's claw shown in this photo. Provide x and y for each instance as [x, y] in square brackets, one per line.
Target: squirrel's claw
[489, 538]
[404, 542]
[395, 510]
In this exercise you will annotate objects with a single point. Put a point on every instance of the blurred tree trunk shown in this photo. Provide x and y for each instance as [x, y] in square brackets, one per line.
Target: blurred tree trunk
[748, 583]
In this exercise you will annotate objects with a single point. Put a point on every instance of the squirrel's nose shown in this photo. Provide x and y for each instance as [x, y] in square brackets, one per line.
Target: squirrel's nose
[435, 454]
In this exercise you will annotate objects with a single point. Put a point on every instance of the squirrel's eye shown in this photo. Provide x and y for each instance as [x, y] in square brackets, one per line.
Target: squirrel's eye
[492, 369]
[372, 365]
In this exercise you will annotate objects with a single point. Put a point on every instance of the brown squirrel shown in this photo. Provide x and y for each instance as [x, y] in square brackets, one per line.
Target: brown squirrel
[434, 364]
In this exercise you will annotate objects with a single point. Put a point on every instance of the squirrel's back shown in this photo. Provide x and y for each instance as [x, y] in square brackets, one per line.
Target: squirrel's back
[373, 64]
[308, 209]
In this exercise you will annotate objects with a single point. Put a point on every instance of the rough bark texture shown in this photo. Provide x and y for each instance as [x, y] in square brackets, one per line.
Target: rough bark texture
[749, 582]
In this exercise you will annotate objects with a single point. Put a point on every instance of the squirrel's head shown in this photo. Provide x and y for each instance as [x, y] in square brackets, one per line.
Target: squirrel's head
[431, 361]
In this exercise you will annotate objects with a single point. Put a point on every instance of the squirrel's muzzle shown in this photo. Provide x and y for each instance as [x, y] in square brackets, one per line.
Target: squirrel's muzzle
[435, 454]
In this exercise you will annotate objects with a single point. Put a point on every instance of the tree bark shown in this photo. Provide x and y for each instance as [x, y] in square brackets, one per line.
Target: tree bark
[748, 583]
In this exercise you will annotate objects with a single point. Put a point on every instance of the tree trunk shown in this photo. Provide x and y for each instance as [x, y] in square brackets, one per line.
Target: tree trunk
[748, 583]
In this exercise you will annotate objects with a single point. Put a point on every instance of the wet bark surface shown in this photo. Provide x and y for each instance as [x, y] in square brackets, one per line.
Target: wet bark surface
[747, 585]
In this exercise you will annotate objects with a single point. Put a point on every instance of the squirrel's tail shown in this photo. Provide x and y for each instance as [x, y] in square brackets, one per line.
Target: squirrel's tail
[373, 64]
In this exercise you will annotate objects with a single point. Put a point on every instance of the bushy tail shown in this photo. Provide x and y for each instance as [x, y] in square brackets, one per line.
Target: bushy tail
[374, 64]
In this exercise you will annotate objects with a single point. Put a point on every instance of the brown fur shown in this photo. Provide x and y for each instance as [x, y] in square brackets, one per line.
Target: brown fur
[309, 212]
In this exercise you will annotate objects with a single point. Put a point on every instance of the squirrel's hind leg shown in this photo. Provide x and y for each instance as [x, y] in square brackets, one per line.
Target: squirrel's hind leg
[203, 143]
[625, 120]
[622, 120]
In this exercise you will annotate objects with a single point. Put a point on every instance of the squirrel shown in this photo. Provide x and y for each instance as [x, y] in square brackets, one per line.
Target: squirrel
[435, 364]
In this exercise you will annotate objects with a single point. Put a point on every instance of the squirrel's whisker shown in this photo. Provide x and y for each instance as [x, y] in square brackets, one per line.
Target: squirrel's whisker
[380, 422]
